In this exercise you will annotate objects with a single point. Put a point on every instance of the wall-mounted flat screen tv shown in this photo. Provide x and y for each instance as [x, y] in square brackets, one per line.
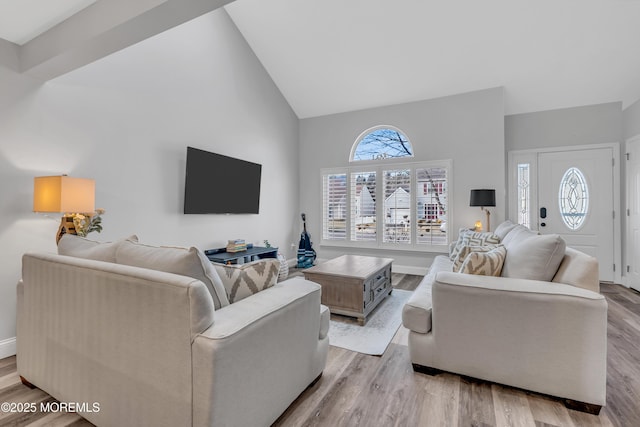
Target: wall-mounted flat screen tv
[217, 184]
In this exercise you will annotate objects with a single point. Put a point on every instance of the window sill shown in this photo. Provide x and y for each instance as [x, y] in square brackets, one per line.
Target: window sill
[386, 246]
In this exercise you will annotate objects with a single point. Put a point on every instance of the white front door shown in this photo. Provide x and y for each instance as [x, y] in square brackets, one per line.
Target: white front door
[633, 212]
[575, 200]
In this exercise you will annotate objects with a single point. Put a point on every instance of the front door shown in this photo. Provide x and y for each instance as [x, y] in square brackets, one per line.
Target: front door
[575, 200]
[633, 212]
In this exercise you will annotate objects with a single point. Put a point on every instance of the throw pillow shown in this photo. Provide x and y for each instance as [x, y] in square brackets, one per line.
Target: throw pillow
[244, 280]
[534, 257]
[473, 238]
[503, 229]
[465, 251]
[485, 263]
[190, 262]
[81, 247]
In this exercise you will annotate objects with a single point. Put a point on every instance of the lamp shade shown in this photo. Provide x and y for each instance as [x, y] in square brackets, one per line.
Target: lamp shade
[63, 194]
[483, 197]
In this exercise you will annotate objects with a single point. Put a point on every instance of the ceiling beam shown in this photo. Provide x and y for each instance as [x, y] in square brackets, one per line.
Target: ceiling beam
[103, 28]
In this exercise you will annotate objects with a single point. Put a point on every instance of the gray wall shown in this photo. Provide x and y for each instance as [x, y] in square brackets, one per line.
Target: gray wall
[631, 121]
[592, 124]
[467, 128]
[126, 121]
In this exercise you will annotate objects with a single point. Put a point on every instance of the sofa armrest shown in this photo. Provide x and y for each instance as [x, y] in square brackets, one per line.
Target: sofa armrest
[530, 334]
[258, 356]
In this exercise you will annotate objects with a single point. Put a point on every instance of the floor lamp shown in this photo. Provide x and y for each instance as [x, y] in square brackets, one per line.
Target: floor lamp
[64, 194]
[484, 198]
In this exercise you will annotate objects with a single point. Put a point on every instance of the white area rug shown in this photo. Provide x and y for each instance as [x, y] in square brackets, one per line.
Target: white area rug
[374, 337]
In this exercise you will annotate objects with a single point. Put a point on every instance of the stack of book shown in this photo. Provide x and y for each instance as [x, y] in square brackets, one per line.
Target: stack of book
[237, 245]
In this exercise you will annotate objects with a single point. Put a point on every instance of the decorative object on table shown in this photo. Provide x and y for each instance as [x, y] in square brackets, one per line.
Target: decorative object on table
[483, 198]
[306, 253]
[267, 244]
[237, 245]
[87, 223]
[69, 196]
[284, 268]
[477, 226]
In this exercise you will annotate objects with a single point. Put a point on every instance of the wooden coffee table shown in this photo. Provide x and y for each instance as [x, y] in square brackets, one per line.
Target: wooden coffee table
[353, 285]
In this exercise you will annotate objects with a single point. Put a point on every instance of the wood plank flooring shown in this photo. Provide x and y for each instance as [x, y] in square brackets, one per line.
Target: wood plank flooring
[362, 390]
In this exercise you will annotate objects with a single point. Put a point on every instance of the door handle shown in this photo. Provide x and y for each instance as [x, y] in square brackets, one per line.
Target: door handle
[543, 213]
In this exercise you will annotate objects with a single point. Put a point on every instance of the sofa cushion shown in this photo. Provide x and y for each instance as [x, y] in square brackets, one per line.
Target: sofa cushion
[534, 257]
[473, 238]
[485, 263]
[244, 280]
[516, 234]
[187, 262]
[578, 269]
[81, 247]
[503, 229]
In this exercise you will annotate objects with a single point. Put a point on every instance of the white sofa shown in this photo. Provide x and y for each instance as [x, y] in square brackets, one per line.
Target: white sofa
[150, 348]
[547, 336]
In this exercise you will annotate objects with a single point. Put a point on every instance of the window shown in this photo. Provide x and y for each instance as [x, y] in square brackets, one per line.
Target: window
[397, 206]
[363, 208]
[573, 198]
[401, 206]
[381, 142]
[523, 195]
[334, 206]
[386, 203]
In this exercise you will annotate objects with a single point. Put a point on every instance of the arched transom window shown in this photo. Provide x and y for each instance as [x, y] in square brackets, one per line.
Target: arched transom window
[381, 142]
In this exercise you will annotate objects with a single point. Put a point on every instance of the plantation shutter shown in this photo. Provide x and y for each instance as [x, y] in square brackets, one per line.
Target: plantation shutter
[431, 206]
[334, 203]
[397, 206]
[363, 206]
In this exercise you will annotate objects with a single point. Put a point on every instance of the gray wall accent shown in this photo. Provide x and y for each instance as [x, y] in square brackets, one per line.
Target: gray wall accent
[592, 124]
[9, 55]
[126, 121]
[467, 128]
[104, 28]
[631, 120]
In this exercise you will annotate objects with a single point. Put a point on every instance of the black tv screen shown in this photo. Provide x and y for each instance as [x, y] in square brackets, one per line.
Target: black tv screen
[217, 184]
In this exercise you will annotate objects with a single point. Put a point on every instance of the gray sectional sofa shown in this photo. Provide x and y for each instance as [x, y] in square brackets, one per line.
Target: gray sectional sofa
[541, 325]
[156, 348]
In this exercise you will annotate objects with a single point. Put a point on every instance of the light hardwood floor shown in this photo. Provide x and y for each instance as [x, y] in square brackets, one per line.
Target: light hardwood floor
[362, 390]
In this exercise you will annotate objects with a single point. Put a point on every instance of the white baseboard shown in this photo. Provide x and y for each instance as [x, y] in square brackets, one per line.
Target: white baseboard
[7, 347]
[408, 269]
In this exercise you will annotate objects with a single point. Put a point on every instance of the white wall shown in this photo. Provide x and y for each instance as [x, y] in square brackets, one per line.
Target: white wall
[126, 121]
[466, 128]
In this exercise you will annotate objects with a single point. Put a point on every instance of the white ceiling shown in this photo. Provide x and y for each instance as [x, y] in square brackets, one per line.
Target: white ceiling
[23, 20]
[333, 56]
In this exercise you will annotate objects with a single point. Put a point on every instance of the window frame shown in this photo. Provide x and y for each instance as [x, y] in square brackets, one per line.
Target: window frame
[379, 167]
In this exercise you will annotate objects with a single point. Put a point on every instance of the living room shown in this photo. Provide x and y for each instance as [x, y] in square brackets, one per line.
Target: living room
[126, 119]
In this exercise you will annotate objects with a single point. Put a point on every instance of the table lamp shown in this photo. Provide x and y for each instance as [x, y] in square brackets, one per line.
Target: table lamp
[66, 195]
[483, 198]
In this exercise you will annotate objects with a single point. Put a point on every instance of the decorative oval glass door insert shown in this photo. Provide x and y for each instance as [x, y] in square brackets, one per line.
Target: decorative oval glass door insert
[573, 198]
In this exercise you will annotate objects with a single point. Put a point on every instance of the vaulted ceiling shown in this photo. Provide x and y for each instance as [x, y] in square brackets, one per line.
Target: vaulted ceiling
[332, 56]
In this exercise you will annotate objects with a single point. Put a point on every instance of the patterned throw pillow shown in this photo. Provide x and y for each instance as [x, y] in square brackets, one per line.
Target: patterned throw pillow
[466, 250]
[473, 238]
[485, 263]
[244, 280]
